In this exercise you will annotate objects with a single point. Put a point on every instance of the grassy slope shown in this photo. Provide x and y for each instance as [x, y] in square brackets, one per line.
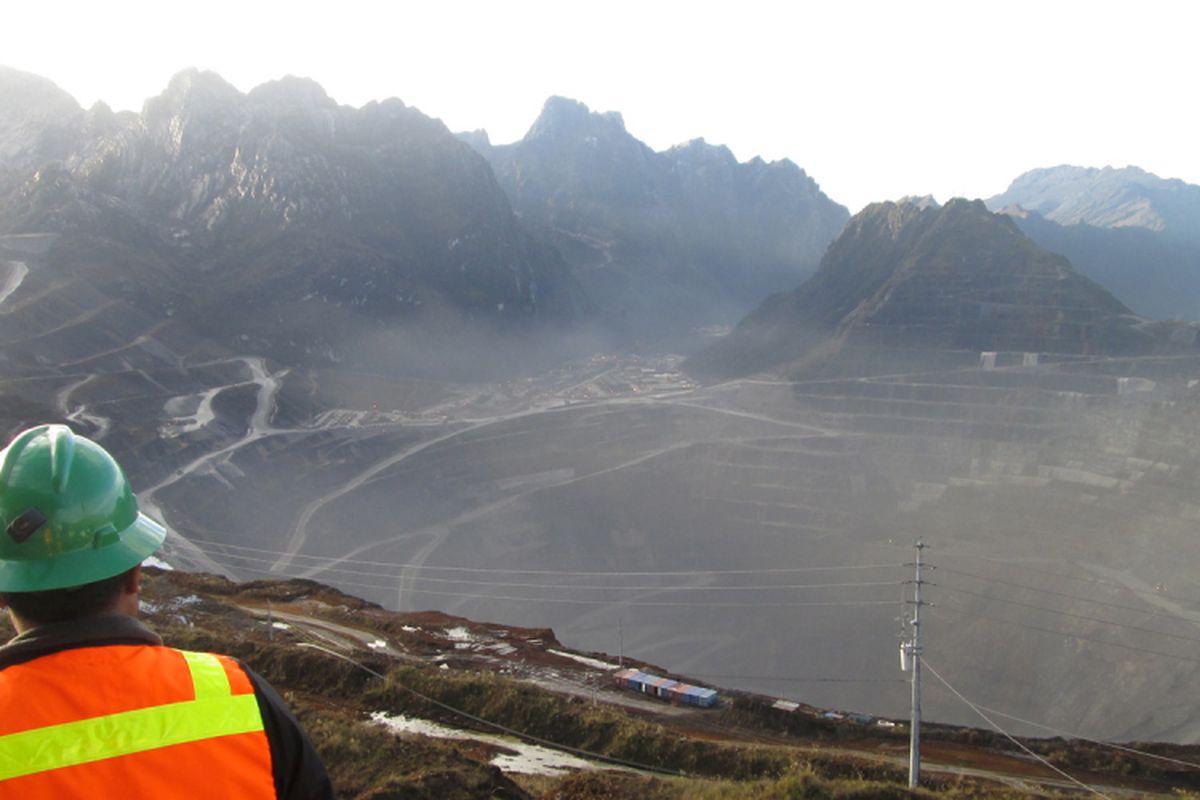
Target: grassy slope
[333, 698]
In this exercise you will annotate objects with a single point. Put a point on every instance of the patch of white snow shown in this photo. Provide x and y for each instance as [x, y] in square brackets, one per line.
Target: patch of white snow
[459, 634]
[523, 758]
[13, 280]
[595, 663]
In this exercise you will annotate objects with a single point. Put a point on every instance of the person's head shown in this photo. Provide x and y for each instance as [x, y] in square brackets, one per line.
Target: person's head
[71, 535]
[117, 594]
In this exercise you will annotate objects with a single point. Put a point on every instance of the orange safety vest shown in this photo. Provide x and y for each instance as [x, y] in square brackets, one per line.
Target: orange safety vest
[131, 721]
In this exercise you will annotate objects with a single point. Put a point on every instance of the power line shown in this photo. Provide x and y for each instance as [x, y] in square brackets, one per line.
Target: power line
[958, 590]
[1147, 612]
[565, 573]
[1006, 735]
[792, 679]
[577, 601]
[1026, 568]
[573, 586]
[1113, 745]
[1065, 635]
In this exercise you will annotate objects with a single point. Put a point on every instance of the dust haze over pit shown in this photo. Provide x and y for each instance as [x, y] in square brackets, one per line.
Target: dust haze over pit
[754, 474]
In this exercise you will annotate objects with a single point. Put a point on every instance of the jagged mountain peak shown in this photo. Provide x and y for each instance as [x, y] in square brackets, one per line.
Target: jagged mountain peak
[194, 89]
[921, 201]
[1107, 197]
[37, 118]
[563, 120]
[477, 139]
[960, 206]
[780, 165]
[881, 218]
[667, 240]
[291, 93]
[19, 86]
[699, 152]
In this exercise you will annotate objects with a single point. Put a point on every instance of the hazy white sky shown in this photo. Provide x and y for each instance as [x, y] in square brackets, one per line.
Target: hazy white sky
[874, 99]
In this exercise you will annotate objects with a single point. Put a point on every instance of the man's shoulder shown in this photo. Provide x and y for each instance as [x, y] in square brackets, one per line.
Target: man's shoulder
[98, 631]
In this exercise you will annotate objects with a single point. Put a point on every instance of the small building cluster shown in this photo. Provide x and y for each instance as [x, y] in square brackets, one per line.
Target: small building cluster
[666, 688]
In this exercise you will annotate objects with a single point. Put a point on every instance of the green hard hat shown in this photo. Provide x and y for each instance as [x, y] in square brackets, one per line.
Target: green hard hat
[67, 515]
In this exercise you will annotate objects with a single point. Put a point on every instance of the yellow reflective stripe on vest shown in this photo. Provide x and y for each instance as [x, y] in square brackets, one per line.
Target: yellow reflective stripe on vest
[210, 715]
[208, 675]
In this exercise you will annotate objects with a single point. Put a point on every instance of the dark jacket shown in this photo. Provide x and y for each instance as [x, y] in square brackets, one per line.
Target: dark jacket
[298, 771]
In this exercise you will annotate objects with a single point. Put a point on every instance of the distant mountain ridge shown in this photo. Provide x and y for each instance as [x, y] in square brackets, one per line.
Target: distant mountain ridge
[666, 240]
[1136, 234]
[269, 208]
[1107, 198]
[276, 207]
[915, 276]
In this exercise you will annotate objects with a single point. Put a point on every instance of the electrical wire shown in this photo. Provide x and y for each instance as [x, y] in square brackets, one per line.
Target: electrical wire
[958, 590]
[559, 572]
[925, 663]
[581, 601]
[793, 679]
[1023, 563]
[1113, 745]
[573, 586]
[1065, 635]
[1059, 594]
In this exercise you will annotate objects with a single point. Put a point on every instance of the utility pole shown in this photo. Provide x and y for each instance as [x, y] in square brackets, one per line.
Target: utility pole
[620, 643]
[914, 654]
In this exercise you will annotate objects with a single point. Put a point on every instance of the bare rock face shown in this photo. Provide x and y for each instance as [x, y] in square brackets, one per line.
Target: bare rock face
[271, 209]
[951, 279]
[40, 122]
[665, 241]
[1107, 198]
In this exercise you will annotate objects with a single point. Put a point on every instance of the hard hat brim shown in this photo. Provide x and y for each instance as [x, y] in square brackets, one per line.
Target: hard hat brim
[141, 539]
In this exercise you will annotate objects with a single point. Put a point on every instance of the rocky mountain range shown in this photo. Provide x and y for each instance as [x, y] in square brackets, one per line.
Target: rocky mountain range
[269, 208]
[1128, 197]
[917, 278]
[1130, 231]
[664, 241]
[265, 211]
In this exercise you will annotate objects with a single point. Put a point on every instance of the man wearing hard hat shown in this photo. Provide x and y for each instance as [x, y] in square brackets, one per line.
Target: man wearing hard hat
[91, 702]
